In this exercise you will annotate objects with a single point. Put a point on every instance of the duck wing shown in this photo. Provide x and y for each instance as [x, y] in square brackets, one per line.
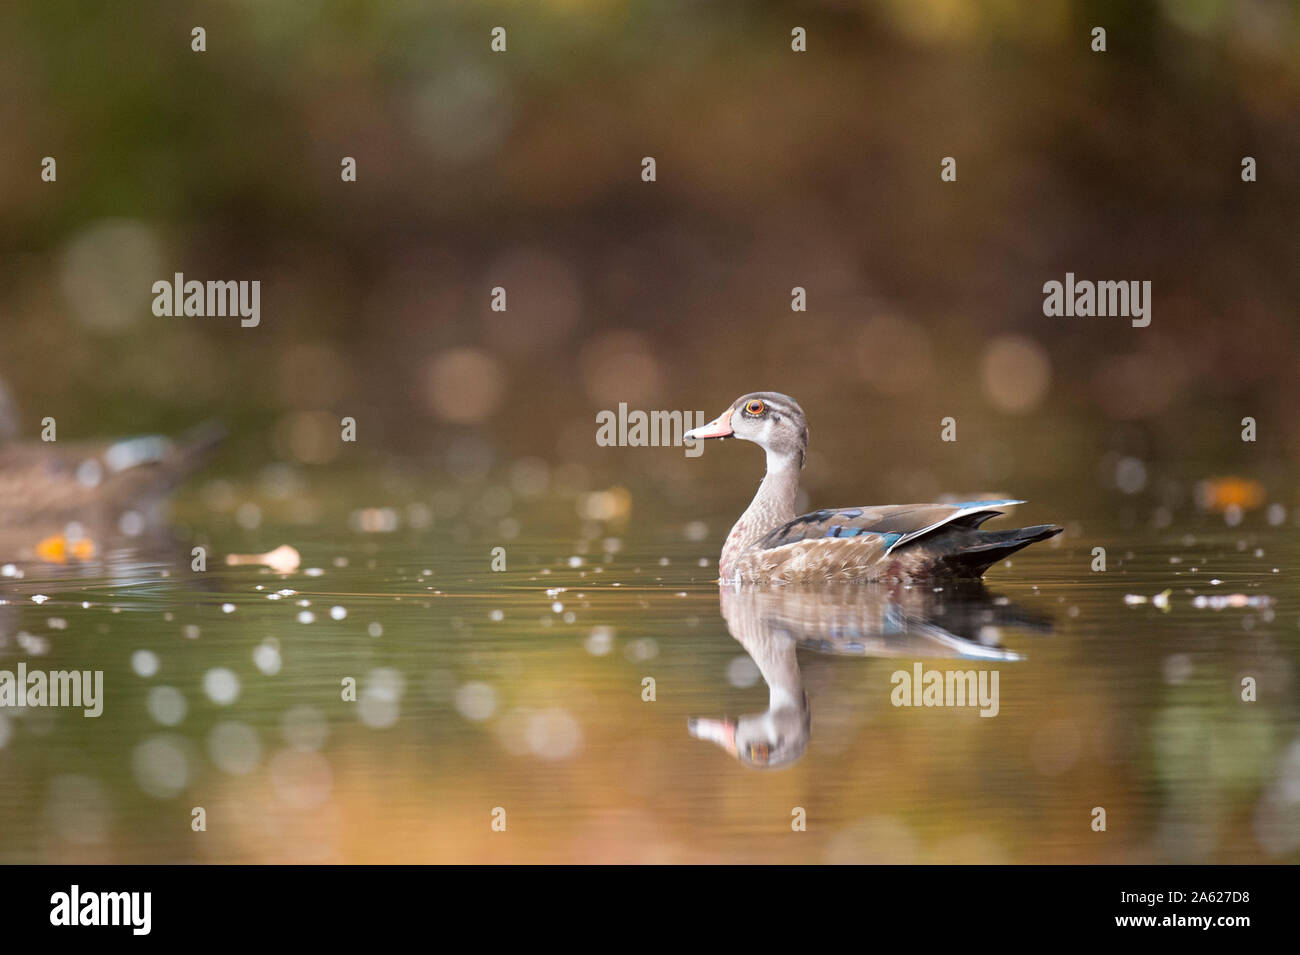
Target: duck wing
[57, 479]
[895, 524]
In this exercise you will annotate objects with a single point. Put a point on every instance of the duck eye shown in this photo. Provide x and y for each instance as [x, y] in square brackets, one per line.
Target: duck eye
[754, 407]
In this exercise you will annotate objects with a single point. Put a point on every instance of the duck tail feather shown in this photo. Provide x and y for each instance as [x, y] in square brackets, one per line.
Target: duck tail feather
[980, 550]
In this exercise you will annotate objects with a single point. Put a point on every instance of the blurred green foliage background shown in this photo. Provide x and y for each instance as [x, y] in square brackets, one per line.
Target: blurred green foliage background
[775, 169]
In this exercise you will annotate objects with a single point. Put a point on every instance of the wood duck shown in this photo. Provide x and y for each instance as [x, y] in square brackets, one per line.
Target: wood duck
[769, 544]
[47, 488]
[879, 620]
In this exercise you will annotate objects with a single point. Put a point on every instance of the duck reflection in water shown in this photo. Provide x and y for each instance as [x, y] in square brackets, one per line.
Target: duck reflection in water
[958, 621]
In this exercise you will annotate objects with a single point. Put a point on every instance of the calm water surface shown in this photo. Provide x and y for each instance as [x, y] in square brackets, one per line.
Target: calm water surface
[525, 691]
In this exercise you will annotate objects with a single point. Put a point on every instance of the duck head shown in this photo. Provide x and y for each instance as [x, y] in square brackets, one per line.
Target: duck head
[771, 740]
[773, 421]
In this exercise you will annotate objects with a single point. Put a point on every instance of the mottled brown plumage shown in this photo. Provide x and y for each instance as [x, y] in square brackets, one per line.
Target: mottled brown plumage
[60, 480]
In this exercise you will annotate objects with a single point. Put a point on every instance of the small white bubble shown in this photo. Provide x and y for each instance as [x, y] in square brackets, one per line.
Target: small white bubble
[266, 657]
[34, 645]
[248, 516]
[553, 734]
[221, 685]
[234, 748]
[227, 608]
[475, 700]
[166, 705]
[375, 629]
[742, 672]
[131, 523]
[1130, 475]
[160, 766]
[641, 649]
[338, 613]
[600, 641]
[89, 473]
[306, 616]
[378, 709]
[144, 663]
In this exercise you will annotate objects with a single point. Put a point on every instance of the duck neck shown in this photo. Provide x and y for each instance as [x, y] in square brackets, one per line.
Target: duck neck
[760, 624]
[772, 506]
